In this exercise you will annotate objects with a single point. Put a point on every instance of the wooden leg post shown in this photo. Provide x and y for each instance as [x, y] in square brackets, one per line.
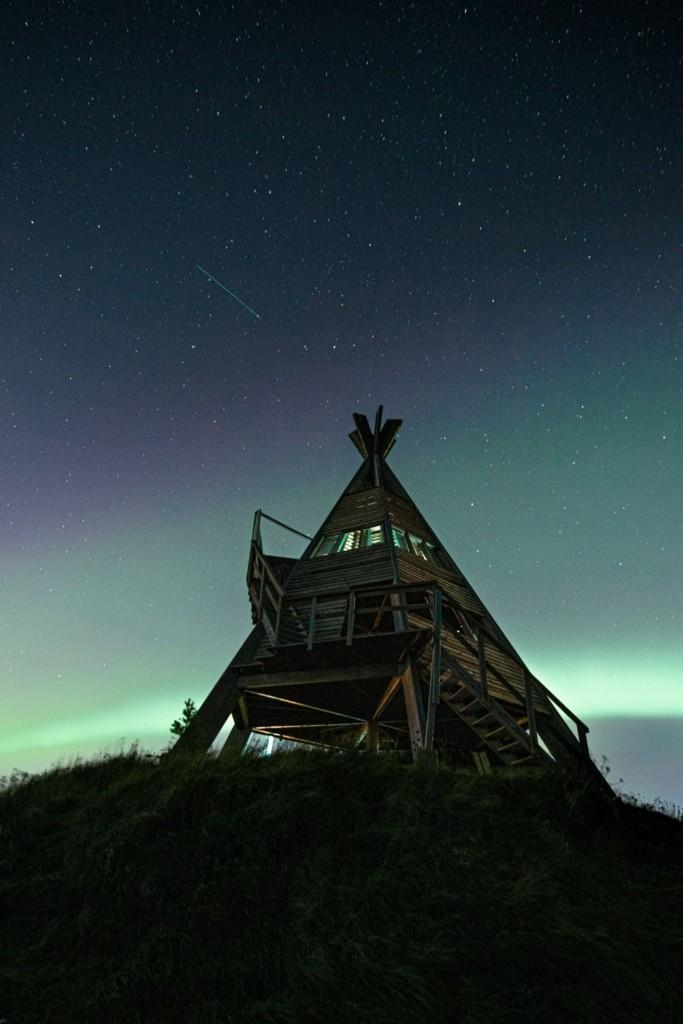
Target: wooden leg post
[372, 737]
[211, 716]
[435, 675]
[236, 742]
[414, 709]
[530, 711]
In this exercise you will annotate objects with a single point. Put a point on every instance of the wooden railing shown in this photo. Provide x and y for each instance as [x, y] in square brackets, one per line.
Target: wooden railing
[363, 612]
[266, 593]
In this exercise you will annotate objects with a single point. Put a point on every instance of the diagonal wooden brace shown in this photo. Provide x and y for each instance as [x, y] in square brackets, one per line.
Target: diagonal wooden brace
[212, 715]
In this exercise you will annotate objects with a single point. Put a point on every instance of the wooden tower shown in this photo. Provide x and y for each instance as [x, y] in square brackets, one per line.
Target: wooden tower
[375, 637]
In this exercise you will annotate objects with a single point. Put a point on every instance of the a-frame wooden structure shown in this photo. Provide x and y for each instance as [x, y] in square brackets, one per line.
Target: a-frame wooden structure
[375, 637]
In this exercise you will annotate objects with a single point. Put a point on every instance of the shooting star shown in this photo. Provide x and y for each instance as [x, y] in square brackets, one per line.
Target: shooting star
[231, 294]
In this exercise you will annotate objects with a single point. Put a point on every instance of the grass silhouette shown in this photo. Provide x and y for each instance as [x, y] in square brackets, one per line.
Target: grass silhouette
[308, 887]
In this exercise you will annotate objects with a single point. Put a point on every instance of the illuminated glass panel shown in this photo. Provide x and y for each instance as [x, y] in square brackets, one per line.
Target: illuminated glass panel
[423, 549]
[349, 540]
[326, 545]
[400, 539]
[414, 545]
[419, 547]
[373, 535]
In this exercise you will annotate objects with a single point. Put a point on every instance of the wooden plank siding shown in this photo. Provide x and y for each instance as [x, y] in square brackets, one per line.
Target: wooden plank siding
[403, 513]
[354, 511]
[330, 573]
[415, 570]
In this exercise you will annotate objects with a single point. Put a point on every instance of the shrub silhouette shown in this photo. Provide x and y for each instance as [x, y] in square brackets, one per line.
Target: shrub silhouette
[179, 725]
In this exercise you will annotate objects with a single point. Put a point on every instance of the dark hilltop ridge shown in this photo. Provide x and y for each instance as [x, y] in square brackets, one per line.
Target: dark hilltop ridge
[308, 887]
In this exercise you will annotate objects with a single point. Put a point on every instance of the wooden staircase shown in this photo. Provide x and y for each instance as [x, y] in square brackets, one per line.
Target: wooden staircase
[498, 732]
[504, 733]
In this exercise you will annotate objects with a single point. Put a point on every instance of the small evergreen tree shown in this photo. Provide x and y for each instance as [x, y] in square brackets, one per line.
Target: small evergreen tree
[179, 726]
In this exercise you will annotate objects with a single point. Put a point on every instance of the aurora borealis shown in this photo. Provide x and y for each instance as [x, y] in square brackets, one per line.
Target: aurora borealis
[465, 214]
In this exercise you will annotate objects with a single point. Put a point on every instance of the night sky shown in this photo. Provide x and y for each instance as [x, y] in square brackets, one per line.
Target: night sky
[468, 213]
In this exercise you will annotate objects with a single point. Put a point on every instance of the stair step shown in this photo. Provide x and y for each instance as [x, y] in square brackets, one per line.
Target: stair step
[507, 746]
[478, 721]
[523, 760]
[494, 732]
[465, 707]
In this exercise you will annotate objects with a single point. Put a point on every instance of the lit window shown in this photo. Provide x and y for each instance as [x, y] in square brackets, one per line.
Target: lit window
[418, 545]
[414, 545]
[373, 535]
[326, 545]
[400, 539]
[350, 540]
[423, 549]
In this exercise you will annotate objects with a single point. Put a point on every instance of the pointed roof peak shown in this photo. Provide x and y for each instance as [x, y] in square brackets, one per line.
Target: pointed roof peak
[379, 441]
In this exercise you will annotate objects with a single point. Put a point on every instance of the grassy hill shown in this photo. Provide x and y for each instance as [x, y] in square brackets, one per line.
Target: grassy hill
[315, 888]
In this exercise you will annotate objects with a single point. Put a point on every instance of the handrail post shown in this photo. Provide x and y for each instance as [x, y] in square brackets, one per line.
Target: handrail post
[530, 711]
[256, 528]
[583, 740]
[351, 617]
[262, 570]
[311, 624]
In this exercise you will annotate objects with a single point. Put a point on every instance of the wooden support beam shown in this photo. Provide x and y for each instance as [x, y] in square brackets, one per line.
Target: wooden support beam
[414, 711]
[387, 436]
[293, 738]
[274, 726]
[240, 712]
[482, 762]
[278, 617]
[311, 623]
[378, 426]
[343, 674]
[236, 742]
[435, 675]
[352, 719]
[351, 620]
[358, 441]
[363, 428]
[211, 716]
[530, 711]
[483, 677]
[398, 602]
[372, 737]
[386, 697]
